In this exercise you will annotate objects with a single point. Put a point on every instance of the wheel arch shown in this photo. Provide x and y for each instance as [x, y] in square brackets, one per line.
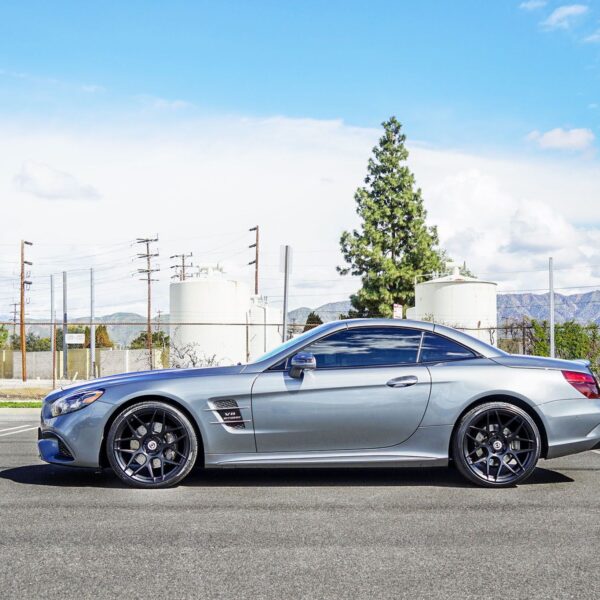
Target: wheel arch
[519, 402]
[103, 459]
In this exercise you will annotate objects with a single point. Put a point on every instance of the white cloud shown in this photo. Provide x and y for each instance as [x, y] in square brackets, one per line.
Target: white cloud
[165, 104]
[532, 4]
[92, 88]
[563, 16]
[202, 183]
[45, 182]
[593, 38]
[563, 139]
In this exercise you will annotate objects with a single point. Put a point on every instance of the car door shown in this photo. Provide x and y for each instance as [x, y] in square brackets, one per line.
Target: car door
[367, 392]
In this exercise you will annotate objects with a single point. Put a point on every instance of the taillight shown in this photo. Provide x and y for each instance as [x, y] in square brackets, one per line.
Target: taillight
[583, 382]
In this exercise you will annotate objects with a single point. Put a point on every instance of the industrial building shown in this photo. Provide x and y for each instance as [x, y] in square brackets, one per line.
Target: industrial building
[462, 302]
[218, 321]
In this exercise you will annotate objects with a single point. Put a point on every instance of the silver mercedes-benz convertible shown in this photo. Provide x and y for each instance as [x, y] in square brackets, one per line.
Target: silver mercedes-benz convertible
[364, 392]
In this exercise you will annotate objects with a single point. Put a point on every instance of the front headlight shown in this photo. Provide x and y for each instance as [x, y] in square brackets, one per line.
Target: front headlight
[74, 401]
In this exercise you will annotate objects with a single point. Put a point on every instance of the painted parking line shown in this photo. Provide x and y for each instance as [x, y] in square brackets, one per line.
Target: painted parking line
[15, 432]
[18, 427]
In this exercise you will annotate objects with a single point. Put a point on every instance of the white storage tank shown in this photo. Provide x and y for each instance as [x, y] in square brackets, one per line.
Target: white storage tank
[465, 303]
[208, 316]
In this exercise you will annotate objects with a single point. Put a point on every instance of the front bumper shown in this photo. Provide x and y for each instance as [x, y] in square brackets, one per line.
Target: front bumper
[75, 438]
[572, 426]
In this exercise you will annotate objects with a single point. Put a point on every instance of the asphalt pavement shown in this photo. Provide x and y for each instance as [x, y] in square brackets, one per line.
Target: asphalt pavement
[308, 533]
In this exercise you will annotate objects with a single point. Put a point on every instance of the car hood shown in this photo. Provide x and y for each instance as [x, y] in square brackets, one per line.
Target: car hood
[541, 362]
[144, 376]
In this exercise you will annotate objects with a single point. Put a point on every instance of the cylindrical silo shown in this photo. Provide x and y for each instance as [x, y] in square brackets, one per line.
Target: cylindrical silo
[458, 301]
[208, 316]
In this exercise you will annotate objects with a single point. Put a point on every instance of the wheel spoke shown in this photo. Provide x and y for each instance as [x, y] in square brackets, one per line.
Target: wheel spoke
[151, 423]
[499, 469]
[507, 465]
[132, 459]
[518, 460]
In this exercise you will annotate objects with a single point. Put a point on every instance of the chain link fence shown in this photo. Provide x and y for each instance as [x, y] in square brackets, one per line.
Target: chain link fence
[123, 346]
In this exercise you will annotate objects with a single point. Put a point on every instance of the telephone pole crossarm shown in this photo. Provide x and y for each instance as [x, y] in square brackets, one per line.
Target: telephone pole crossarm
[254, 262]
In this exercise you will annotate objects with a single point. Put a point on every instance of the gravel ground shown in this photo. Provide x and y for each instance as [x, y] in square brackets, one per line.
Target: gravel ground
[370, 533]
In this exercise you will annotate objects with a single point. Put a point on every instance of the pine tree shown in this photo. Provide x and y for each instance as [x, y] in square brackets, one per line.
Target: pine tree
[312, 321]
[394, 244]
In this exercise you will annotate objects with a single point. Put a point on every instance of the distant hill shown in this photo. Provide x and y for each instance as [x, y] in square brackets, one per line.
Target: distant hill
[122, 335]
[583, 308]
[327, 312]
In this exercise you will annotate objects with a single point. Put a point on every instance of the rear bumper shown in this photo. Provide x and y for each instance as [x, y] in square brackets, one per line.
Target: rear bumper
[572, 426]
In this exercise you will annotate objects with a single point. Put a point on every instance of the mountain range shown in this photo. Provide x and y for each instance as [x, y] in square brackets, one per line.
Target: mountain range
[583, 308]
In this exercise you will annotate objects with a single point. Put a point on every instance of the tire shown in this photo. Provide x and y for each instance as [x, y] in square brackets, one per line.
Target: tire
[151, 445]
[496, 445]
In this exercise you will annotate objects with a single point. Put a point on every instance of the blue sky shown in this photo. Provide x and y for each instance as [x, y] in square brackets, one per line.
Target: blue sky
[197, 120]
[461, 73]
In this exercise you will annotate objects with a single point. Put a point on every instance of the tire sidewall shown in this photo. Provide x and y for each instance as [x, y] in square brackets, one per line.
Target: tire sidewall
[458, 439]
[123, 415]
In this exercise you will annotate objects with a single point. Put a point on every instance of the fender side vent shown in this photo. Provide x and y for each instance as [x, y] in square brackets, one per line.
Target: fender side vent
[230, 413]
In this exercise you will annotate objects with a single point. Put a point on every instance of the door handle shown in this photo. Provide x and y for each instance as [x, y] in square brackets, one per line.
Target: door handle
[400, 382]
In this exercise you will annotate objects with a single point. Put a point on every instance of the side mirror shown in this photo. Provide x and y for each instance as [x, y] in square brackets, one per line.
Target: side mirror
[303, 361]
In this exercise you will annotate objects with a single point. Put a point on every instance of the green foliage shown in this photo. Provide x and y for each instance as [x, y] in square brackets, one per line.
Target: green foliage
[159, 340]
[312, 321]
[3, 336]
[33, 343]
[394, 244]
[572, 340]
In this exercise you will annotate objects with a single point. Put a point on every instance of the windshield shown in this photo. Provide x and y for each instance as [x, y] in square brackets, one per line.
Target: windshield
[285, 345]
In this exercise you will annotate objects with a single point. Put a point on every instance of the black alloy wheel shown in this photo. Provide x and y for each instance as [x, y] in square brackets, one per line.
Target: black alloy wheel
[496, 445]
[151, 445]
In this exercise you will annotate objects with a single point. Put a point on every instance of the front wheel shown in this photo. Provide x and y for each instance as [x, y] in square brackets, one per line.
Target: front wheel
[151, 445]
[496, 445]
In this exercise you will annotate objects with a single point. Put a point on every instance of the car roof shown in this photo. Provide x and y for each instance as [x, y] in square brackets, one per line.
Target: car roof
[478, 346]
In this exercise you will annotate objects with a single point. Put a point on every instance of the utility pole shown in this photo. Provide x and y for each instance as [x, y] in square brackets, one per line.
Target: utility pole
[53, 331]
[148, 256]
[24, 283]
[182, 267]
[255, 261]
[286, 259]
[92, 327]
[551, 286]
[64, 326]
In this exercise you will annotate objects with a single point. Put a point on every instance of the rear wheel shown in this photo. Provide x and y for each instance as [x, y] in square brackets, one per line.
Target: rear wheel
[496, 445]
[151, 445]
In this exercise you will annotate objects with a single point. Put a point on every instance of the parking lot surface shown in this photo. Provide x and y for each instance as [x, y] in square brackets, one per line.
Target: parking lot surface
[369, 533]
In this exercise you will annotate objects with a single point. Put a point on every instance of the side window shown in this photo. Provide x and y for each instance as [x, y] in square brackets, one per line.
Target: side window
[367, 347]
[436, 348]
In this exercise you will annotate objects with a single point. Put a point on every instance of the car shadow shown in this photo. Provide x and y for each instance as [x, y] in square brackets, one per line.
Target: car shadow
[57, 476]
